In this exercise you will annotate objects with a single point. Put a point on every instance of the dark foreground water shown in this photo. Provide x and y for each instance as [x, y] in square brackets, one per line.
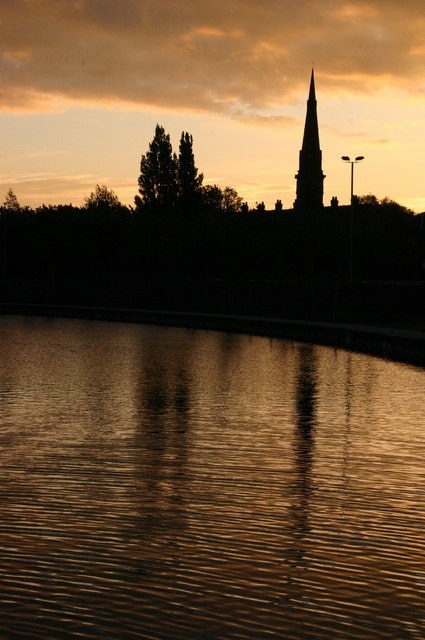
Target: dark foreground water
[165, 484]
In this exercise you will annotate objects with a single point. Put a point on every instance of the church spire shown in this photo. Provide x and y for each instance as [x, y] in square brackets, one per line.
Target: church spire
[310, 175]
[312, 94]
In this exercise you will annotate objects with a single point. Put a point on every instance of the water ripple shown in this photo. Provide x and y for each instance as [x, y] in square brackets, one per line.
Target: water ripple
[166, 484]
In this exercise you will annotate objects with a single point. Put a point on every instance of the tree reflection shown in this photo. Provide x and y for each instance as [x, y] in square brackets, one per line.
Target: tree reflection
[303, 448]
[164, 403]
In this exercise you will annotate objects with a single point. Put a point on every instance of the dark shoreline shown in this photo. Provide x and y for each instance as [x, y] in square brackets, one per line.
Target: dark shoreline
[393, 343]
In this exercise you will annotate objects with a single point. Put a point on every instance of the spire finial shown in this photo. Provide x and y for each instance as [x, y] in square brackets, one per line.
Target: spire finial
[312, 93]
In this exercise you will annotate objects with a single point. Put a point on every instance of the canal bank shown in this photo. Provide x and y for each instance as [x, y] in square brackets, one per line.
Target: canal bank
[394, 343]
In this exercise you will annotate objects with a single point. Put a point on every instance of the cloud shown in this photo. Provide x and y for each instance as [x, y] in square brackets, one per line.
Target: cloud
[47, 188]
[266, 119]
[199, 55]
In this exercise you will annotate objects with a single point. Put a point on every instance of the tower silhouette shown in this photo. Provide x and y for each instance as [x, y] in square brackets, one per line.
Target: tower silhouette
[310, 175]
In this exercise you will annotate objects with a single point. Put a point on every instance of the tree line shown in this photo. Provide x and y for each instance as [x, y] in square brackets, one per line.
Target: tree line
[180, 229]
[172, 183]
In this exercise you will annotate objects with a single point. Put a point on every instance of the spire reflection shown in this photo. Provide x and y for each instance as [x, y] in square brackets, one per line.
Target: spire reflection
[303, 457]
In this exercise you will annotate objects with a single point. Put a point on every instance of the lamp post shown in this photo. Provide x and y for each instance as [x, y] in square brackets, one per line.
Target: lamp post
[352, 162]
[4, 221]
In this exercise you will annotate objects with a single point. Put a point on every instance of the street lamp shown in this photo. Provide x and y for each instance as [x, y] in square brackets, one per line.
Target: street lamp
[4, 225]
[352, 162]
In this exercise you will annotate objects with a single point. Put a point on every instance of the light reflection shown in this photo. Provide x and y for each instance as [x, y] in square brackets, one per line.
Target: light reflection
[200, 480]
[348, 403]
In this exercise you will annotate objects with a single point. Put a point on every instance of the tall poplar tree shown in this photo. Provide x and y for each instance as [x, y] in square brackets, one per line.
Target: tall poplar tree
[189, 181]
[158, 175]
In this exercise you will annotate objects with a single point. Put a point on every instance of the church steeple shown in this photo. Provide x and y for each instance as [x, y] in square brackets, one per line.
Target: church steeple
[310, 175]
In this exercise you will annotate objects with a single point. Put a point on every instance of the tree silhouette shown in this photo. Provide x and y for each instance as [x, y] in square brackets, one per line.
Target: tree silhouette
[232, 202]
[217, 200]
[158, 175]
[11, 202]
[102, 198]
[189, 181]
[212, 198]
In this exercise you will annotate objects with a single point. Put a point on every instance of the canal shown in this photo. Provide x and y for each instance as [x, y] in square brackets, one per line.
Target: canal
[166, 483]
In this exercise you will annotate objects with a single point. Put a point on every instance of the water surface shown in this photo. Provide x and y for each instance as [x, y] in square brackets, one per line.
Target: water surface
[163, 483]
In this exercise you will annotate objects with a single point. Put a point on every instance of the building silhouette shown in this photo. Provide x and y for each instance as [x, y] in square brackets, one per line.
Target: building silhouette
[310, 175]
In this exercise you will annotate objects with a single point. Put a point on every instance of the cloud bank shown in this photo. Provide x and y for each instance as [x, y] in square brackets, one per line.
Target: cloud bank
[238, 57]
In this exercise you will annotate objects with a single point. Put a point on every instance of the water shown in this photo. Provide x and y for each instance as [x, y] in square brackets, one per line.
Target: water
[164, 483]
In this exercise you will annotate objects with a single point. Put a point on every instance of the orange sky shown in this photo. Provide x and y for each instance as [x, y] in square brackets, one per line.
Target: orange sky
[84, 82]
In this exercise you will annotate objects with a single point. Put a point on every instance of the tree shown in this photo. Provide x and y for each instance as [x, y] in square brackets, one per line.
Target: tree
[383, 239]
[102, 198]
[158, 175]
[385, 209]
[11, 202]
[189, 181]
[369, 200]
[212, 198]
[232, 202]
[217, 200]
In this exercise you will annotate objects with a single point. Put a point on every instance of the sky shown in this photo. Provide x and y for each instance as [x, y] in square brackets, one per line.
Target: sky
[84, 83]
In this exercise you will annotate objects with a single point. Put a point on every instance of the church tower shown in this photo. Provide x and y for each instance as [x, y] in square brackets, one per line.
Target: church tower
[310, 175]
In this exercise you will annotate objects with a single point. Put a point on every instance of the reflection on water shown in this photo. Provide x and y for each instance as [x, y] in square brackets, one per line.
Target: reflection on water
[303, 447]
[166, 483]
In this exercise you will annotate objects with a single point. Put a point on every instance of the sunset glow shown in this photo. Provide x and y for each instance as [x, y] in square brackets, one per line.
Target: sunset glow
[84, 82]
